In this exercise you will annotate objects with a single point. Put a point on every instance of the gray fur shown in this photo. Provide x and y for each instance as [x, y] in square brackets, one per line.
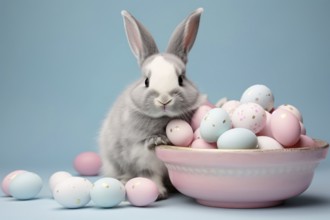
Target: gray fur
[135, 125]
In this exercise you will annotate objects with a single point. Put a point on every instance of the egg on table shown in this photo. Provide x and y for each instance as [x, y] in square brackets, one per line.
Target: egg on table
[73, 192]
[25, 185]
[141, 191]
[107, 192]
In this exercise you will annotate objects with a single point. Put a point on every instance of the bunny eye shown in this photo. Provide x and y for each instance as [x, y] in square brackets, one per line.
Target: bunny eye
[180, 80]
[146, 82]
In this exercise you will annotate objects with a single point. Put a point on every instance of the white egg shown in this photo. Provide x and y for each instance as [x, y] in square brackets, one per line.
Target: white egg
[259, 94]
[56, 178]
[73, 192]
[268, 143]
[107, 192]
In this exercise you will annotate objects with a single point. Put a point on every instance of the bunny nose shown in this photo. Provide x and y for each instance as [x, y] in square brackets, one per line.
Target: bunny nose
[164, 100]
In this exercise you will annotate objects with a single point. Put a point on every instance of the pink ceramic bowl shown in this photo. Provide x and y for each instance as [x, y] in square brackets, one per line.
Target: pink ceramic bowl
[241, 178]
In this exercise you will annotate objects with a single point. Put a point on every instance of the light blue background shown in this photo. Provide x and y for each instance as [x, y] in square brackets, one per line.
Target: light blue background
[63, 63]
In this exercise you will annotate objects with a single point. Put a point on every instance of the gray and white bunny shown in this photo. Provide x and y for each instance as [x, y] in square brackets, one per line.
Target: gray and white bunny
[136, 123]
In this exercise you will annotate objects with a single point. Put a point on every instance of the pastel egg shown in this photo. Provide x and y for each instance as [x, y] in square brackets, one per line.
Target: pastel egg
[73, 192]
[221, 102]
[198, 116]
[56, 178]
[87, 163]
[303, 129]
[285, 127]
[7, 180]
[179, 132]
[237, 138]
[214, 123]
[268, 143]
[266, 130]
[25, 185]
[201, 144]
[259, 94]
[305, 141]
[249, 115]
[107, 192]
[230, 106]
[141, 191]
[197, 134]
[293, 110]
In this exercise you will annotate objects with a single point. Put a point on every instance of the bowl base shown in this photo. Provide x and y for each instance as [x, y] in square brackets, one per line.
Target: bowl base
[240, 205]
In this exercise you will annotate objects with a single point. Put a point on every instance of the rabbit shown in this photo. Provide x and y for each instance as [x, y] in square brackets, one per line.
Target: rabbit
[136, 123]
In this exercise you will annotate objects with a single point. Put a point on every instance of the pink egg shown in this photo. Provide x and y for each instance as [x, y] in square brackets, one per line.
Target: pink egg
[141, 191]
[198, 116]
[197, 134]
[267, 130]
[179, 132]
[6, 181]
[201, 144]
[230, 106]
[303, 129]
[305, 141]
[285, 127]
[250, 116]
[87, 164]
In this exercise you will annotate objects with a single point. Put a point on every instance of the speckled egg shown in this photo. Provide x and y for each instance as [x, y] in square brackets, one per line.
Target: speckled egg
[293, 110]
[237, 138]
[7, 180]
[214, 123]
[107, 192]
[285, 127]
[73, 192]
[141, 191]
[249, 115]
[25, 185]
[259, 94]
[179, 132]
[267, 130]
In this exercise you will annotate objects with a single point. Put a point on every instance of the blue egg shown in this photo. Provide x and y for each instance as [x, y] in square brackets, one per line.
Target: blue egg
[259, 94]
[238, 138]
[215, 122]
[25, 186]
[107, 192]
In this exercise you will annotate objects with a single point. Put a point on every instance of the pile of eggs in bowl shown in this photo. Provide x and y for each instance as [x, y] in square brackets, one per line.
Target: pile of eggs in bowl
[250, 123]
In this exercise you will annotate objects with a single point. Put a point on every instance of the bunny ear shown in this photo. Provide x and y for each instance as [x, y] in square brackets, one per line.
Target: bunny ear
[184, 35]
[140, 40]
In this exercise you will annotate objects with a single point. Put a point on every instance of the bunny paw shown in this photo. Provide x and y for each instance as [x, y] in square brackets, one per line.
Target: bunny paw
[156, 140]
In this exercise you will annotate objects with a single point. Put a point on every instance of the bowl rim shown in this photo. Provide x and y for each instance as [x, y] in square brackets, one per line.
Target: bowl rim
[320, 144]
